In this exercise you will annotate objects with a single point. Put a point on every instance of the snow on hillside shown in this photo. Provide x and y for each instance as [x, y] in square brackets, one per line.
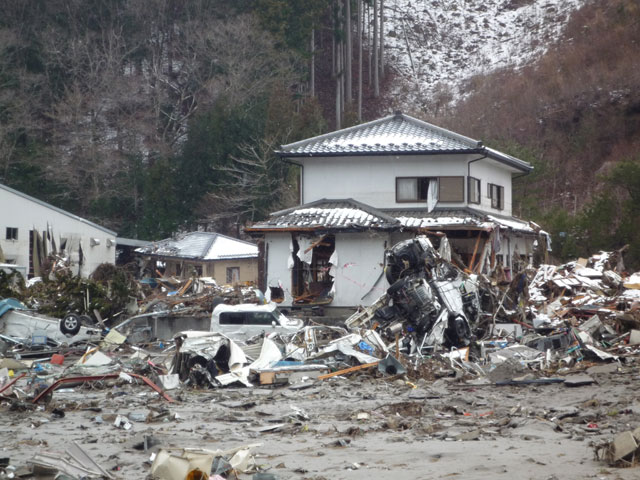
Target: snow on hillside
[435, 45]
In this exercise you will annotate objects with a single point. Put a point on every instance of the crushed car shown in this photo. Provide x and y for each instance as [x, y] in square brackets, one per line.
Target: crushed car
[246, 320]
[429, 303]
[24, 327]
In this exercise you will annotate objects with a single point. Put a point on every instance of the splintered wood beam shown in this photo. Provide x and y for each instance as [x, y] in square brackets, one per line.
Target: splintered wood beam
[475, 251]
[185, 287]
[314, 245]
[348, 370]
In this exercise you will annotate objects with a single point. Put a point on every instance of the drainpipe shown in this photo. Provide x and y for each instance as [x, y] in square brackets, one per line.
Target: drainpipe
[469, 170]
[469, 175]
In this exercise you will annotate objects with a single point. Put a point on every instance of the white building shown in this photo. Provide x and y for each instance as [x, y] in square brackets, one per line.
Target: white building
[30, 229]
[367, 187]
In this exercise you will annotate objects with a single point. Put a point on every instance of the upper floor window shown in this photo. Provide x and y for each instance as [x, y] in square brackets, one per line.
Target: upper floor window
[424, 189]
[474, 190]
[12, 233]
[496, 194]
[412, 189]
[451, 189]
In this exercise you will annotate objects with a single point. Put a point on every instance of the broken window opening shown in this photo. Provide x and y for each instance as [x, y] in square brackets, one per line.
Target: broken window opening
[161, 266]
[311, 282]
[277, 294]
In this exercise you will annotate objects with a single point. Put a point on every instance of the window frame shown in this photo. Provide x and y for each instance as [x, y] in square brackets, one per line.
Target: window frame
[497, 201]
[417, 199]
[461, 198]
[232, 318]
[11, 233]
[229, 274]
[478, 195]
[260, 319]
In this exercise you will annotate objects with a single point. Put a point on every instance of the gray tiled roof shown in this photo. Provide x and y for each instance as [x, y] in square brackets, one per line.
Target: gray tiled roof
[456, 218]
[395, 134]
[335, 214]
[351, 214]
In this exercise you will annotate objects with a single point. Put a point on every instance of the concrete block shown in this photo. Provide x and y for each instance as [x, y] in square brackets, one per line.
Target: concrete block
[623, 445]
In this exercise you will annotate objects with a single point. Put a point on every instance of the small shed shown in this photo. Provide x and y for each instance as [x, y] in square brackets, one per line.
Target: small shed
[205, 254]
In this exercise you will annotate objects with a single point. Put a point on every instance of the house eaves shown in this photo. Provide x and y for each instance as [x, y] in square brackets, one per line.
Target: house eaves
[463, 218]
[327, 214]
[397, 134]
[59, 210]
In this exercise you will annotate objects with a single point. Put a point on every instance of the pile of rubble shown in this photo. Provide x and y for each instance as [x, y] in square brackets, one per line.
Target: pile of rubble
[551, 325]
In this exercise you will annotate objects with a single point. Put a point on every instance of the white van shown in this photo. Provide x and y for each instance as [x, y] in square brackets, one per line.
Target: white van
[241, 322]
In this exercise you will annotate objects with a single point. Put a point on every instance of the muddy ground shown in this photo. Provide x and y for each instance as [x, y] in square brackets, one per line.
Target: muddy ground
[361, 427]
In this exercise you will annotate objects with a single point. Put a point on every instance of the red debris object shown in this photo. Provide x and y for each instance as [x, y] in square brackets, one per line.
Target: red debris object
[4, 387]
[57, 359]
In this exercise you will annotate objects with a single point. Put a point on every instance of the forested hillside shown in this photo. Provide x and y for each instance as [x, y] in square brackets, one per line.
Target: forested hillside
[149, 115]
[156, 115]
[575, 115]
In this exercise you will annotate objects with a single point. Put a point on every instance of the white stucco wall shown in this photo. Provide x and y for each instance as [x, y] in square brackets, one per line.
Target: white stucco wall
[278, 254]
[25, 214]
[372, 180]
[359, 278]
[488, 171]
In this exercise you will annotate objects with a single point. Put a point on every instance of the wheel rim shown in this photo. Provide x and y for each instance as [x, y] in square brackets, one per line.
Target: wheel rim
[70, 322]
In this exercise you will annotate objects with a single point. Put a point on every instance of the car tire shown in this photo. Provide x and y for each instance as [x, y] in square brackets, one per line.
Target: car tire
[397, 286]
[86, 320]
[70, 324]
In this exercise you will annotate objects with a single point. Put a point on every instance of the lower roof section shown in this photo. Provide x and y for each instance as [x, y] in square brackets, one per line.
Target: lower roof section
[351, 215]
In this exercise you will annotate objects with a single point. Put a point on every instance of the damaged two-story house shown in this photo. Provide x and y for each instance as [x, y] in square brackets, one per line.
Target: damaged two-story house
[365, 188]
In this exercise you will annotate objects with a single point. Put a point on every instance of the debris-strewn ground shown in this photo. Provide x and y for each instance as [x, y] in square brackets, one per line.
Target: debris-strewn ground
[447, 374]
[357, 428]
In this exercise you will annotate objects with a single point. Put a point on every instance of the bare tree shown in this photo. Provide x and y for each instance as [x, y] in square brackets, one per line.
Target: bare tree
[360, 20]
[349, 53]
[257, 184]
[376, 76]
[381, 38]
[312, 73]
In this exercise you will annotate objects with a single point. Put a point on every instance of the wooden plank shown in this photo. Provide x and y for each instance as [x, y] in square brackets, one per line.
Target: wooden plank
[348, 370]
[475, 250]
[185, 287]
[482, 260]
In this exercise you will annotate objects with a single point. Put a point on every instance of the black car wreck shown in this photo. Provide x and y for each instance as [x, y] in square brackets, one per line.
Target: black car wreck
[430, 303]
